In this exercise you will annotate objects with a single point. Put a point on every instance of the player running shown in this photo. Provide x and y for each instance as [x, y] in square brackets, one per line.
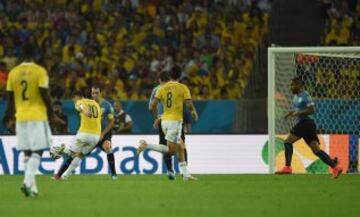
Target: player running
[304, 128]
[88, 134]
[172, 96]
[163, 79]
[28, 98]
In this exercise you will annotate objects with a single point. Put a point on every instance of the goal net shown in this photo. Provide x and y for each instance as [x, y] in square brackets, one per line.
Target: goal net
[332, 77]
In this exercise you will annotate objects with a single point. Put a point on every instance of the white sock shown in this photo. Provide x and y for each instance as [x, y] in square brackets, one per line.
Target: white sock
[74, 164]
[31, 169]
[159, 148]
[183, 169]
[25, 161]
[26, 177]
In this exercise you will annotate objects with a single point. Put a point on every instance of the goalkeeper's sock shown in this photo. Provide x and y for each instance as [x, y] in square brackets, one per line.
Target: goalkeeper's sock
[111, 161]
[288, 153]
[159, 148]
[74, 164]
[64, 166]
[326, 158]
[30, 172]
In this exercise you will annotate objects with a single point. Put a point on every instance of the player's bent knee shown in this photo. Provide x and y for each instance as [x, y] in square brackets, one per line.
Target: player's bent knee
[288, 142]
[315, 146]
[80, 155]
[291, 139]
[181, 147]
[27, 153]
[107, 146]
[39, 152]
[172, 149]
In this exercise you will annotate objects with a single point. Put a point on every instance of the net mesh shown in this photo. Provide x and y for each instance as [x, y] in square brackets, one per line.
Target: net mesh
[333, 81]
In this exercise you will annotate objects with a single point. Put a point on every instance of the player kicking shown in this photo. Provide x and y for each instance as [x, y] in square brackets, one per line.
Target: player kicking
[304, 128]
[172, 96]
[88, 134]
[107, 123]
[27, 89]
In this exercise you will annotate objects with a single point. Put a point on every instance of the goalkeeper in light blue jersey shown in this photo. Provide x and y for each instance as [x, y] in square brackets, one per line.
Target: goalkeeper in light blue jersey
[305, 128]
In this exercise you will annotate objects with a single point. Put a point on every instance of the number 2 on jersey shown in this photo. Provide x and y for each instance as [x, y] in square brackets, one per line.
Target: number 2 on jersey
[24, 86]
[169, 99]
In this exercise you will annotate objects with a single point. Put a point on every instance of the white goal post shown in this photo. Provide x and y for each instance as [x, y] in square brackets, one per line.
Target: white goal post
[331, 73]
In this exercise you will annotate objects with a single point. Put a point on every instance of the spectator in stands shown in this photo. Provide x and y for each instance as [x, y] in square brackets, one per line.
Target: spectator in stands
[123, 121]
[9, 127]
[59, 125]
[337, 36]
[83, 42]
[3, 78]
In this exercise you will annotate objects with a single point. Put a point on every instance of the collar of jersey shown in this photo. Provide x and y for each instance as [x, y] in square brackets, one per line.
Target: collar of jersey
[27, 63]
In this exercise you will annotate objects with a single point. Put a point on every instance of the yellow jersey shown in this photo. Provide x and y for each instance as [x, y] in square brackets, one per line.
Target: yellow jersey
[91, 124]
[172, 96]
[24, 81]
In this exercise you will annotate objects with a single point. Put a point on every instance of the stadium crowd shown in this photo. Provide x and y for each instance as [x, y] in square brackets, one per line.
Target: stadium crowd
[122, 45]
[336, 76]
[343, 22]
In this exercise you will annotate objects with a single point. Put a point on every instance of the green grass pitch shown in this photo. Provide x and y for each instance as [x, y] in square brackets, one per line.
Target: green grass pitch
[212, 195]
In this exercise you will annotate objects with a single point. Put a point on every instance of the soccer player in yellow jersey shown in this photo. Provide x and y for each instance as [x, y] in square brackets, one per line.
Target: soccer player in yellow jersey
[88, 134]
[107, 123]
[172, 95]
[28, 99]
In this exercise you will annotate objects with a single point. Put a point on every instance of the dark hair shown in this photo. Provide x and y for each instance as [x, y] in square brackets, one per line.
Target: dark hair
[95, 86]
[77, 93]
[57, 103]
[164, 76]
[175, 72]
[298, 80]
[28, 51]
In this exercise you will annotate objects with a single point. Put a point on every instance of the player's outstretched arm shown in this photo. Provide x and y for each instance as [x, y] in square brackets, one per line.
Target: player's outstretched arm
[110, 125]
[153, 106]
[189, 104]
[45, 96]
[84, 109]
[308, 111]
[10, 111]
[289, 114]
[153, 109]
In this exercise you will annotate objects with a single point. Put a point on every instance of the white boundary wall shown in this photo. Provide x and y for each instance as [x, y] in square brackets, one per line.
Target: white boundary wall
[208, 154]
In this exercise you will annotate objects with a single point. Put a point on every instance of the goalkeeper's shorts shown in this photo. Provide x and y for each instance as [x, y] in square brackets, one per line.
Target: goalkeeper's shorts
[305, 129]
